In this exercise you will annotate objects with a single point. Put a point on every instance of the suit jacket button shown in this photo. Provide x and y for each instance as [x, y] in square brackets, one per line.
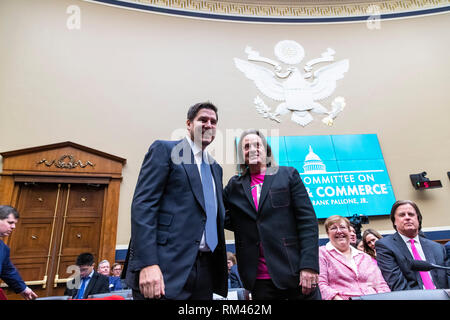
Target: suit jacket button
[197, 241]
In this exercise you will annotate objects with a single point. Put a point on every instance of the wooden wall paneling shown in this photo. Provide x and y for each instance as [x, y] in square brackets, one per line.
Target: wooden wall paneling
[110, 216]
[6, 189]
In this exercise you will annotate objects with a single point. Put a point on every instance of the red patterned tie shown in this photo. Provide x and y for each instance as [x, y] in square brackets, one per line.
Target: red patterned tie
[426, 279]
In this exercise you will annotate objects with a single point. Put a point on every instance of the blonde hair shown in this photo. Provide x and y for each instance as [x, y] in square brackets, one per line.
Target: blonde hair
[335, 219]
[231, 256]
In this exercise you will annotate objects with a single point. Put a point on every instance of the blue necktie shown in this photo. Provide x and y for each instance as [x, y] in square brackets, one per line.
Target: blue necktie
[210, 205]
[82, 288]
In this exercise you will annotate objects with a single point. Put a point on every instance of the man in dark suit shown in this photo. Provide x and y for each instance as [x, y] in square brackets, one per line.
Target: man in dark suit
[90, 282]
[274, 224]
[396, 252]
[177, 248]
[8, 272]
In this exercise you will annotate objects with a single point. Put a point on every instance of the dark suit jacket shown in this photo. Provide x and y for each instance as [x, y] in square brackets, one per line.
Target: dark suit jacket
[98, 284]
[394, 260]
[235, 279]
[168, 218]
[8, 271]
[285, 224]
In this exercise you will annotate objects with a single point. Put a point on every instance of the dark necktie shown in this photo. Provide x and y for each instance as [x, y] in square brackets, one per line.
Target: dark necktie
[210, 205]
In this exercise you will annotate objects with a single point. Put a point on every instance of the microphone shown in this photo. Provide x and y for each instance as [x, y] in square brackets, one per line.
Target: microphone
[419, 265]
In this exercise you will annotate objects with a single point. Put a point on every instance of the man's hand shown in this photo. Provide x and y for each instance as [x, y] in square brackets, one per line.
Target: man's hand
[151, 282]
[309, 280]
[28, 294]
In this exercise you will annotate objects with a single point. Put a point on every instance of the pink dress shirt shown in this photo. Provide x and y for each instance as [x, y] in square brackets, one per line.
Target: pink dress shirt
[338, 277]
[256, 183]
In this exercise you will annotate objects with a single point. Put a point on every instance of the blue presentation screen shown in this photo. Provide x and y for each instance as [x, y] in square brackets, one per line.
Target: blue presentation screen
[344, 174]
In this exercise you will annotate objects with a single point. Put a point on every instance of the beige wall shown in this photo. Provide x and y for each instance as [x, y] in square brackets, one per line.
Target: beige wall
[127, 78]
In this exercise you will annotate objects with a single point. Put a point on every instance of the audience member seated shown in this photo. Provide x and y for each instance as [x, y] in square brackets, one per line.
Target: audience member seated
[89, 281]
[359, 245]
[370, 236]
[346, 272]
[234, 280]
[114, 282]
[396, 252]
[353, 237]
[117, 272]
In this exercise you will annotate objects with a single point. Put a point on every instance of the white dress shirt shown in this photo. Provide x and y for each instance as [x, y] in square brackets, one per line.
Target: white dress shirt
[197, 151]
[416, 244]
[354, 252]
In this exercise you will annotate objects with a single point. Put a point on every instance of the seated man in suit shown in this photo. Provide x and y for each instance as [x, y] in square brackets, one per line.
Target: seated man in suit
[105, 269]
[90, 282]
[396, 252]
[234, 280]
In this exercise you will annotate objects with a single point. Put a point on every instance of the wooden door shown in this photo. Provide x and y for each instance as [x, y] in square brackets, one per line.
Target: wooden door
[68, 198]
[57, 223]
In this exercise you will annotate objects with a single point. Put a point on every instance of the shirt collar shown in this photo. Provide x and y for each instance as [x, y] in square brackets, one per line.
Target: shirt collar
[407, 239]
[90, 275]
[195, 149]
[329, 246]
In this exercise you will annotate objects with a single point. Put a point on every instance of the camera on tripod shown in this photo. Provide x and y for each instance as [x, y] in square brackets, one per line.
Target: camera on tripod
[357, 221]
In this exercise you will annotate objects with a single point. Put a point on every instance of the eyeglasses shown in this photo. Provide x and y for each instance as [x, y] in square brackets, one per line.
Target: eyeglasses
[336, 228]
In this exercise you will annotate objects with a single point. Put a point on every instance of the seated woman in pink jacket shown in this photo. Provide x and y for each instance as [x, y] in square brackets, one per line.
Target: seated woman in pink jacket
[346, 272]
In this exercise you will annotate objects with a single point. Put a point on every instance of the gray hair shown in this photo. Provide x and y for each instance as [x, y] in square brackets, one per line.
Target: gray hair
[102, 262]
[5, 211]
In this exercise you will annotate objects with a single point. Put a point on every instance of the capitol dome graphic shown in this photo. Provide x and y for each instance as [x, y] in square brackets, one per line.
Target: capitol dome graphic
[313, 164]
